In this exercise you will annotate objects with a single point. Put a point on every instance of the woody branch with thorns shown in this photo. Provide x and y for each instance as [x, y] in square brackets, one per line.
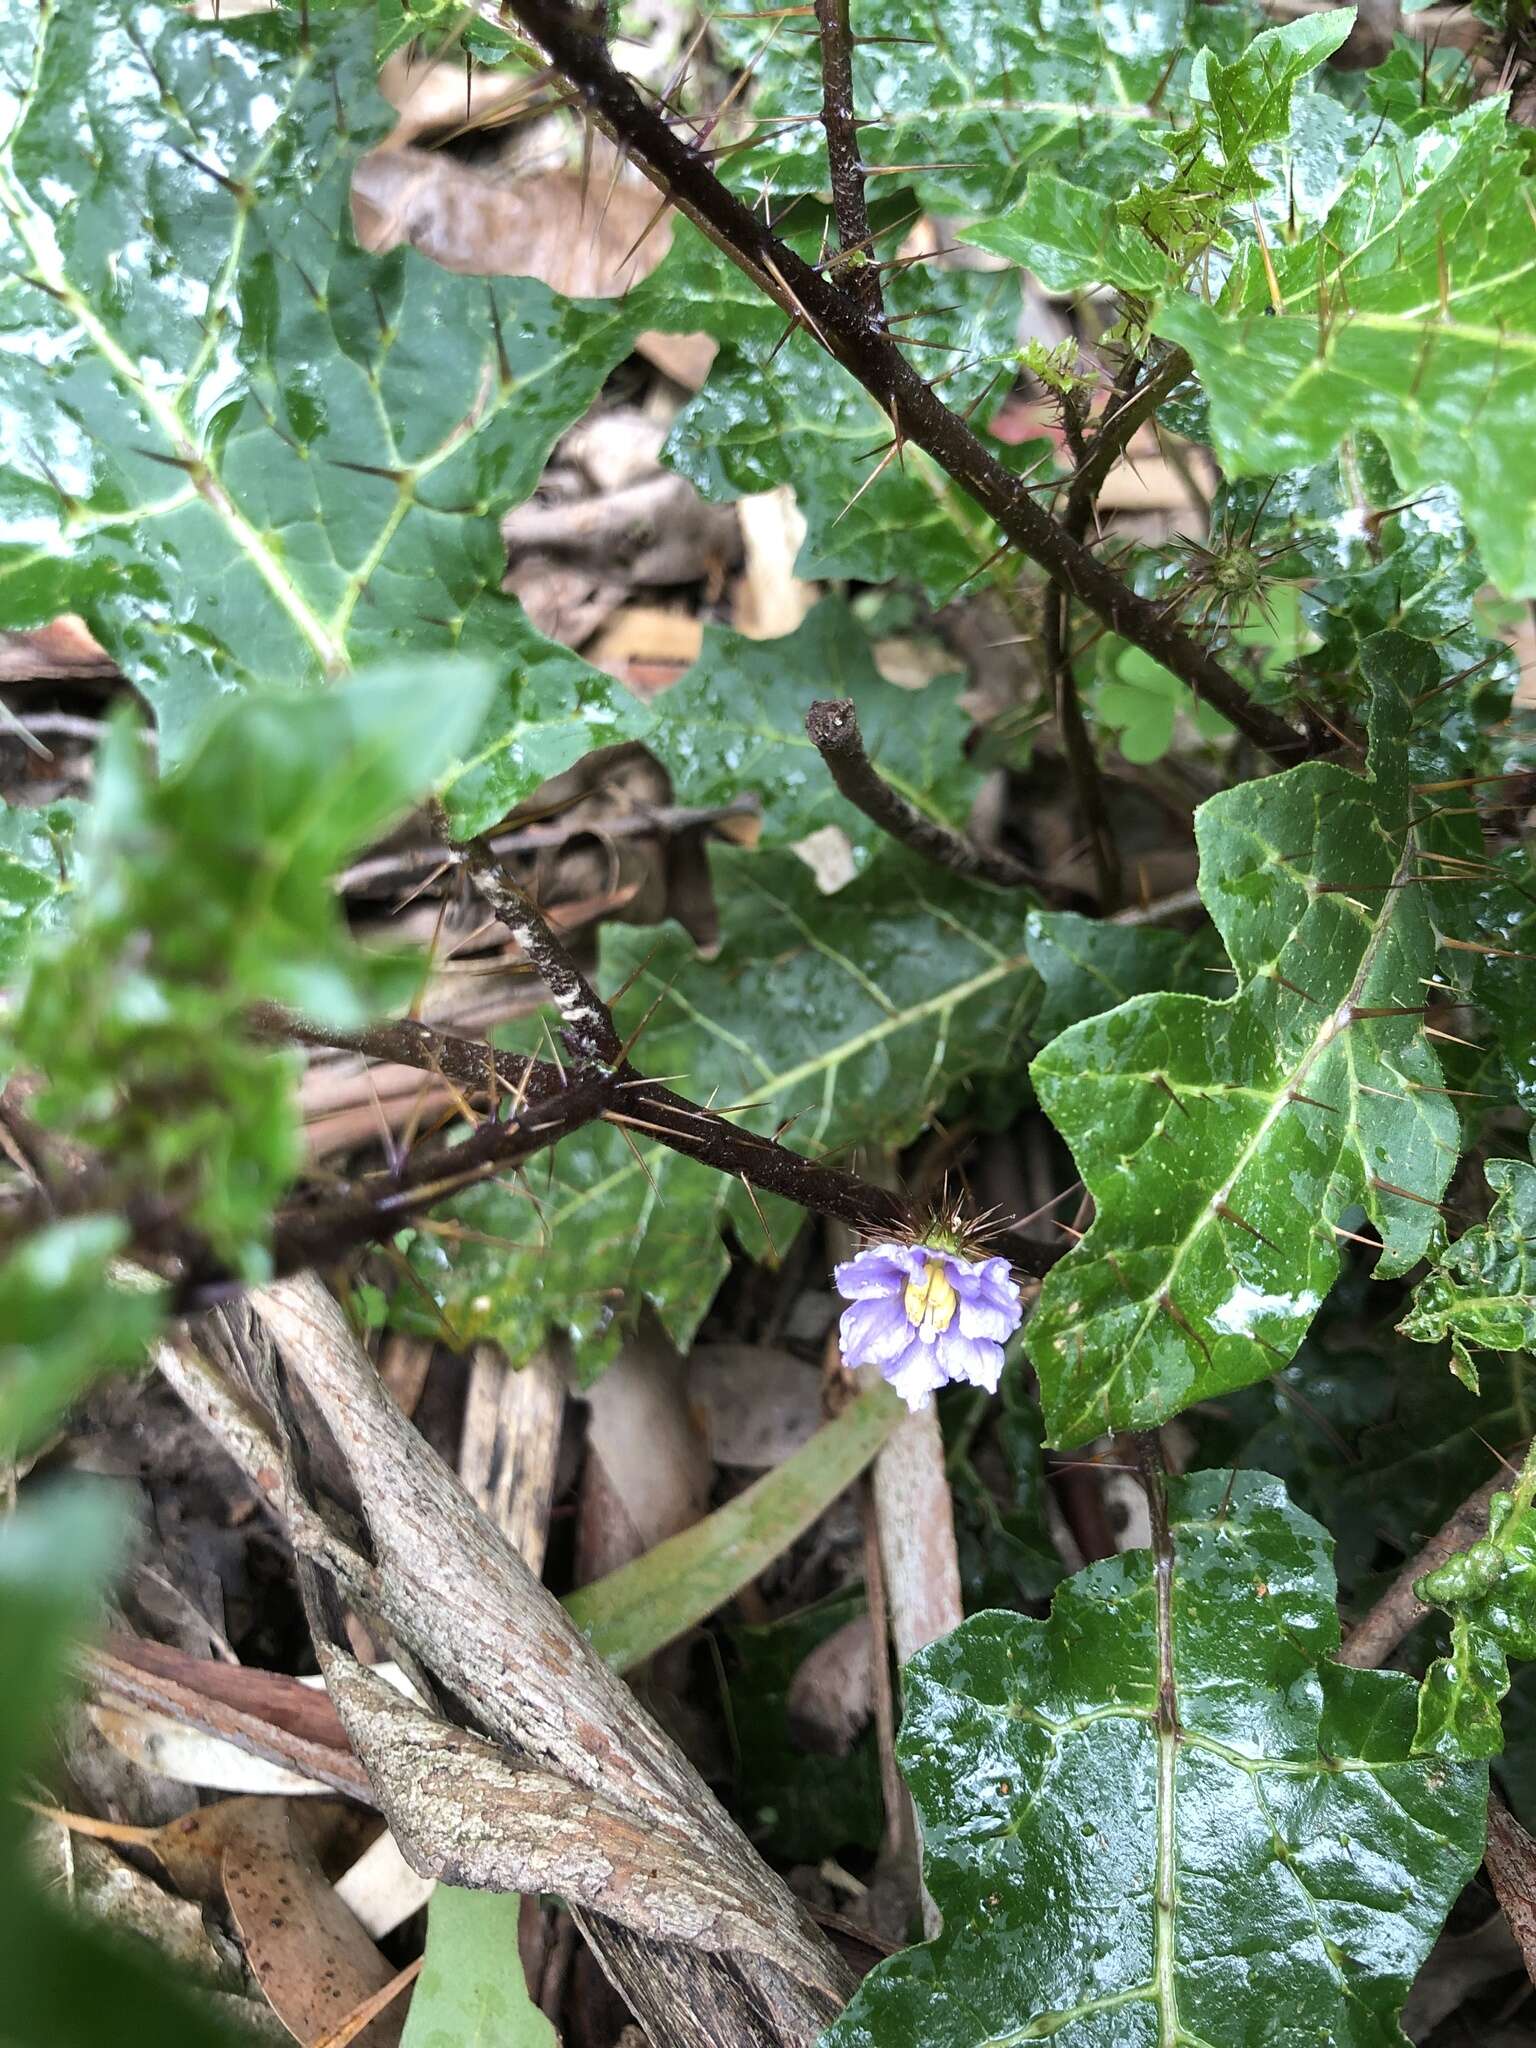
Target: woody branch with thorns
[838, 302]
[938, 1285]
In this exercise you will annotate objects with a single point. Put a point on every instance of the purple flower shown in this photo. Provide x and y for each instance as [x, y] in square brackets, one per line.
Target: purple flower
[926, 1317]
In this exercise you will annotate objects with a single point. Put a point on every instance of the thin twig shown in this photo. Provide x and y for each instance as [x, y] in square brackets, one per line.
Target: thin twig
[843, 324]
[832, 726]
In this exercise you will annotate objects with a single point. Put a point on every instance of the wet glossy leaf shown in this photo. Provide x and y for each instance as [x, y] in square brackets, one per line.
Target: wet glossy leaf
[853, 1013]
[1222, 1141]
[796, 417]
[1412, 312]
[982, 91]
[1070, 235]
[1088, 966]
[797, 1803]
[201, 894]
[1172, 1819]
[1368, 1431]
[1489, 1592]
[253, 455]
[1482, 1291]
[737, 721]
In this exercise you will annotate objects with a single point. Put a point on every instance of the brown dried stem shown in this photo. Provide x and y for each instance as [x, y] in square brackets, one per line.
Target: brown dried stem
[832, 725]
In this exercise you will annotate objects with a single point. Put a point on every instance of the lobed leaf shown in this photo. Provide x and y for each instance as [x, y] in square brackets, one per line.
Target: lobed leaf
[736, 721]
[255, 456]
[970, 99]
[853, 1014]
[1411, 311]
[1165, 1815]
[1223, 1140]
[777, 411]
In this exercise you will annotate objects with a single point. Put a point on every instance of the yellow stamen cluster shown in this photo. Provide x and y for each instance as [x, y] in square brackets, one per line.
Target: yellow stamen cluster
[930, 1301]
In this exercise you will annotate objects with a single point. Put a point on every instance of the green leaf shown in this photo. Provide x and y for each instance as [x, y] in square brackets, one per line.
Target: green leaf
[34, 876]
[472, 1992]
[1360, 1432]
[1221, 1141]
[796, 1803]
[1238, 108]
[1489, 1591]
[736, 721]
[771, 415]
[976, 95]
[1412, 312]
[212, 890]
[1089, 966]
[1172, 1819]
[62, 1325]
[68, 1984]
[1068, 235]
[256, 456]
[637, 1610]
[1139, 701]
[855, 1014]
[1482, 1290]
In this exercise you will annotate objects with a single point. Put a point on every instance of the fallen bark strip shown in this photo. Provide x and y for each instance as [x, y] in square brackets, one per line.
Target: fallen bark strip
[456, 1593]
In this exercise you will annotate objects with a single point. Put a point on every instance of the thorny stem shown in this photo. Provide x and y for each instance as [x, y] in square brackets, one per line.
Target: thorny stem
[832, 725]
[844, 162]
[1127, 412]
[842, 323]
[588, 1029]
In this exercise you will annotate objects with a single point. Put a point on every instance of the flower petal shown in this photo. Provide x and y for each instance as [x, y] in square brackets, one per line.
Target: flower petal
[970, 1358]
[874, 1332]
[878, 1269]
[916, 1376]
[988, 1295]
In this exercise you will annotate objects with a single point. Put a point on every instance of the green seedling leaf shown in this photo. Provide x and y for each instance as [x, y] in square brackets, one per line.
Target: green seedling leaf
[1222, 1141]
[1489, 1592]
[472, 1992]
[1482, 1291]
[1238, 108]
[1166, 1815]
[1070, 235]
[210, 891]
